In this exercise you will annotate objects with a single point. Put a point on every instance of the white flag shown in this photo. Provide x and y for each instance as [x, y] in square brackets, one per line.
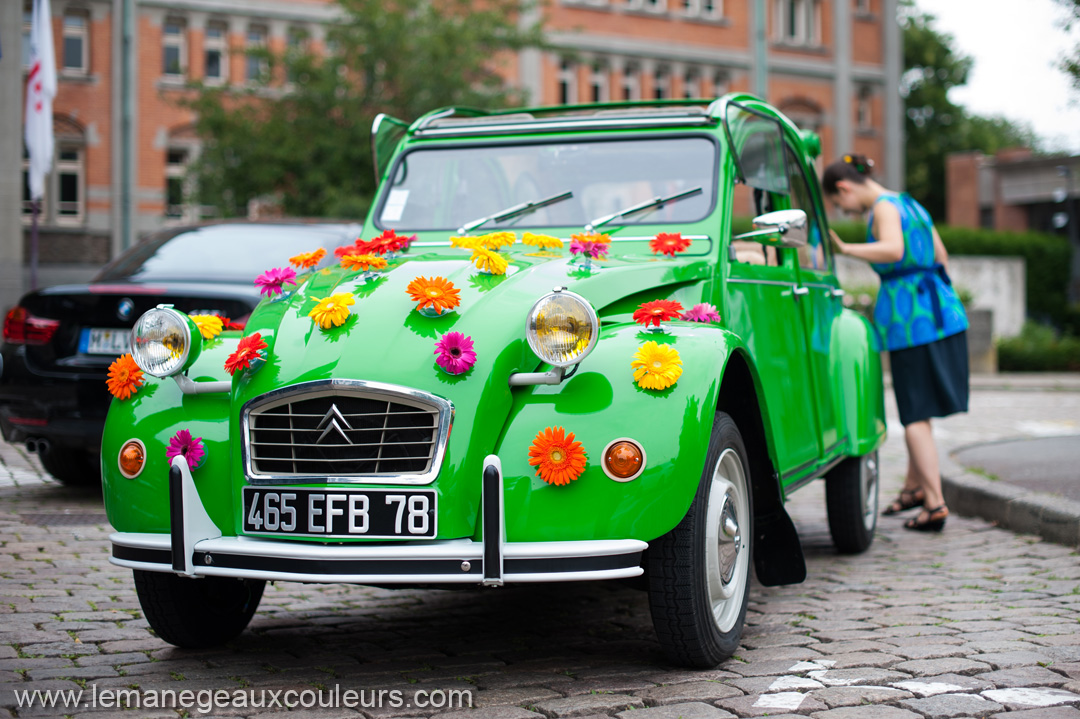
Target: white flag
[40, 91]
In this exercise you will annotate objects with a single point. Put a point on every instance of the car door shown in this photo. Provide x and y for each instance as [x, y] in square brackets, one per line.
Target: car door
[821, 301]
[762, 294]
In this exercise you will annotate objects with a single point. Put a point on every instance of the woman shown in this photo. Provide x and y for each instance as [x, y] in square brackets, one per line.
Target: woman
[919, 319]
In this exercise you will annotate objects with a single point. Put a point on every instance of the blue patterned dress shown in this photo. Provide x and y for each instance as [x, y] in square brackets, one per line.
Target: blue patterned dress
[916, 304]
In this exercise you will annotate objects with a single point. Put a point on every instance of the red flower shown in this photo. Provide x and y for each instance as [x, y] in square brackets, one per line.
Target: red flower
[246, 351]
[388, 241]
[668, 243]
[657, 311]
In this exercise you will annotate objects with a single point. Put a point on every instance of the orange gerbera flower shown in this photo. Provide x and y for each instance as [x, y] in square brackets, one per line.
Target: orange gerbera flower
[559, 459]
[668, 243]
[363, 262]
[306, 260]
[125, 377]
[657, 311]
[437, 293]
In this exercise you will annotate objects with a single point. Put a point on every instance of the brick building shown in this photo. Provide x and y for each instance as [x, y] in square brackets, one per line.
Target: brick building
[832, 65]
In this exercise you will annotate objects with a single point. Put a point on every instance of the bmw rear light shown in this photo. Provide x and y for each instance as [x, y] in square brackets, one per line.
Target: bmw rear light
[23, 328]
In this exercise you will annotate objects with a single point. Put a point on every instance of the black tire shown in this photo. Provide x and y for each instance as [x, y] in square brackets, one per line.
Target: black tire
[851, 496]
[698, 616]
[196, 613]
[73, 467]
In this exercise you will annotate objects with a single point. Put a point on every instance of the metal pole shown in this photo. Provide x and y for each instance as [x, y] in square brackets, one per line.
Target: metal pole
[36, 204]
[1074, 234]
[761, 74]
[127, 114]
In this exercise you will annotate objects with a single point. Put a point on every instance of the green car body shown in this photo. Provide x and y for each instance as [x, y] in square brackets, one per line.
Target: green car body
[797, 373]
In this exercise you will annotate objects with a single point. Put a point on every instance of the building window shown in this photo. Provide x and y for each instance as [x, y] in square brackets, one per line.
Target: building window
[657, 6]
[634, 4]
[798, 22]
[721, 83]
[567, 82]
[631, 83]
[712, 8]
[173, 49]
[691, 86]
[257, 68]
[176, 160]
[216, 48]
[864, 119]
[27, 24]
[662, 83]
[76, 43]
[69, 186]
[862, 7]
[598, 82]
[297, 41]
[690, 8]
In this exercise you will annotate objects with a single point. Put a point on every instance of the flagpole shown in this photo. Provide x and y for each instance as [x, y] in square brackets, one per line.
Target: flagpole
[34, 246]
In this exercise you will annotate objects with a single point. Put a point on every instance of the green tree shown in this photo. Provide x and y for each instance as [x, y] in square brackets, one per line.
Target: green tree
[309, 142]
[934, 124]
[1070, 64]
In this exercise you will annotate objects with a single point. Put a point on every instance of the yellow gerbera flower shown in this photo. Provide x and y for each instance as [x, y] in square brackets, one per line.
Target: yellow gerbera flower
[489, 261]
[465, 243]
[544, 242]
[332, 311]
[210, 326]
[497, 240]
[656, 366]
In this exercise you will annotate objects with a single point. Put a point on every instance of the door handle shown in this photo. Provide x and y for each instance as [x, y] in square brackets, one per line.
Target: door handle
[837, 293]
[799, 291]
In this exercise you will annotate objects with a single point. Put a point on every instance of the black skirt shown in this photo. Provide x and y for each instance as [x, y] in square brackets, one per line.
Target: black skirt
[931, 380]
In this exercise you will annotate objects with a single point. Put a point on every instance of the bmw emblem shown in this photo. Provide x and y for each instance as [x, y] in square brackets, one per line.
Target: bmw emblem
[125, 308]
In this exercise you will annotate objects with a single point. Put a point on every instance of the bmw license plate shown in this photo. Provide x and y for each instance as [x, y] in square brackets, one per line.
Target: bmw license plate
[338, 513]
[105, 341]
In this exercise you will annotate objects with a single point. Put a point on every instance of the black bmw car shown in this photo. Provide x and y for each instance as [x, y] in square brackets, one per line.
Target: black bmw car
[59, 342]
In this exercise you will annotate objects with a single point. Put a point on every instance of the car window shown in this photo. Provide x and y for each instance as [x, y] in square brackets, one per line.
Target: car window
[442, 188]
[220, 253]
[745, 203]
[815, 255]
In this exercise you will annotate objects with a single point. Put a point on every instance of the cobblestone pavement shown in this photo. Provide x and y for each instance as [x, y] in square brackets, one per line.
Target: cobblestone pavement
[975, 622]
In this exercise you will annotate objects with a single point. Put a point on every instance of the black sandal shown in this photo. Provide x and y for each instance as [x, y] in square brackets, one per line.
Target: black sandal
[935, 520]
[908, 499]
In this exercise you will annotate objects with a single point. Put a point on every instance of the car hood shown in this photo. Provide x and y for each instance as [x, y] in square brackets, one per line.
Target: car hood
[385, 339]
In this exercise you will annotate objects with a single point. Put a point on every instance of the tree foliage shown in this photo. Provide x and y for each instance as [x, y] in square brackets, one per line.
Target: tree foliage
[1070, 64]
[307, 142]
[934, 124]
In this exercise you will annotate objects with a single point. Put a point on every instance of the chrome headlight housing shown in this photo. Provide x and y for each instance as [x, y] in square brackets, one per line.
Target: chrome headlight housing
[164, 342]
[562, 328]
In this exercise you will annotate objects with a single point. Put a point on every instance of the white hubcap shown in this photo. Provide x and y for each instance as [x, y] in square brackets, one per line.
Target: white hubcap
[726, 544]
[868, 477]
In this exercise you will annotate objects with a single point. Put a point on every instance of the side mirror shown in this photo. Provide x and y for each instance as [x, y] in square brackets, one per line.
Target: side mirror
[783, 228]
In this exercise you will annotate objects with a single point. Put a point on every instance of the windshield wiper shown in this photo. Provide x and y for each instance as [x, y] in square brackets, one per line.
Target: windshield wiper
[522, 209]
[647, 205]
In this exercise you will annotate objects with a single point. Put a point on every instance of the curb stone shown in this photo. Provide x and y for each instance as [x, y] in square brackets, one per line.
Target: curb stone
[1055, 519]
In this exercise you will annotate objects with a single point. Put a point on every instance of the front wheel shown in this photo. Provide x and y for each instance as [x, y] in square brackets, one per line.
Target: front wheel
[699, 572]
[851, 496]
[73, 467]
[196, 613]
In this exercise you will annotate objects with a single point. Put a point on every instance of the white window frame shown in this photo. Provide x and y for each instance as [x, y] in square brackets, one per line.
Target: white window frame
[714, 13]
[78, 168]
[657, 7]
[635, 4]
[721, 82]
[178, 41]
[662, 83]
[807, 22]
[216, 44]
[600, 82]
[864, 110]
[82, 33]
[260, 43]
[630, 82]
[691, 82]
[567, 82]
[862, 7]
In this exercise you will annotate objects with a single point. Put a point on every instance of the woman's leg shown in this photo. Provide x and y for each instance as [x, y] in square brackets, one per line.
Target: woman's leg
[923, 461]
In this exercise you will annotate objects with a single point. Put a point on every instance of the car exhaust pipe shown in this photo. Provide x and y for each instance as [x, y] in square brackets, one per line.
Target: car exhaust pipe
[37, 445]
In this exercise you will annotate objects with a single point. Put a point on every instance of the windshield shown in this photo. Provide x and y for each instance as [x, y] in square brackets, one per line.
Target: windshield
[442, 188]
[221, 253]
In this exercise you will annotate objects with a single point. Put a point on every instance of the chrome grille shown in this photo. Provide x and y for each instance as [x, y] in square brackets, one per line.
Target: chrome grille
[346, 430]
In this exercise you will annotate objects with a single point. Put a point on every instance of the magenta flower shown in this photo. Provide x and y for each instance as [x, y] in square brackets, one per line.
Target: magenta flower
[271, 281]
[594, 250]
[182, 444]
[702, 313]
[454, 353]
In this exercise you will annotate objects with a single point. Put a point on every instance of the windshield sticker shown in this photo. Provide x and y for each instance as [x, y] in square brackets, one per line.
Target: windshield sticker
[395, 205]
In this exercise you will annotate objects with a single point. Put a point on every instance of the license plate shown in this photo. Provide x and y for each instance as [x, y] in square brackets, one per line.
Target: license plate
[105, 341]
[334, 513]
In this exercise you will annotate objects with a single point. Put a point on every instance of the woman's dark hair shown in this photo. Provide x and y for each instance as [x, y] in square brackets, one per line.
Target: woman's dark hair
[851, 167]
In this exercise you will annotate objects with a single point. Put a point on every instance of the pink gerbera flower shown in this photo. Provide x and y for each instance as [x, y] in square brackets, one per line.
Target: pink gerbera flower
[702, 313]
[272, 281]
[182, 444]
[454, 353]
[594, 250]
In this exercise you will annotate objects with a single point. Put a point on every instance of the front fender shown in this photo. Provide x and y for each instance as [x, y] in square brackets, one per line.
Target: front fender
[601, 403]
[862, 394]
[153, 415]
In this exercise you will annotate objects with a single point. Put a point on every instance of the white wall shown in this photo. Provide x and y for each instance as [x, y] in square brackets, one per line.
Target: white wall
[996, 283]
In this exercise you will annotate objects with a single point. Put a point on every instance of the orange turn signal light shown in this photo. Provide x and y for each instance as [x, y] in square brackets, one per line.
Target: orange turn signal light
[132, 458]
[624, 460]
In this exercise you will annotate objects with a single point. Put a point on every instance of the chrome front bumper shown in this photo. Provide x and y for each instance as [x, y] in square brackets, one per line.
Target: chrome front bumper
[195, 547]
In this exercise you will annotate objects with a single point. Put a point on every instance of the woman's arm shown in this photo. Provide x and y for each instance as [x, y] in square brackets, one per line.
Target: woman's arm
[941, 256]
[889, 232]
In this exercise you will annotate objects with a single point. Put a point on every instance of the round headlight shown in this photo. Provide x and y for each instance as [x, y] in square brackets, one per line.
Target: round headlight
[161, 342]
[562, 328]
